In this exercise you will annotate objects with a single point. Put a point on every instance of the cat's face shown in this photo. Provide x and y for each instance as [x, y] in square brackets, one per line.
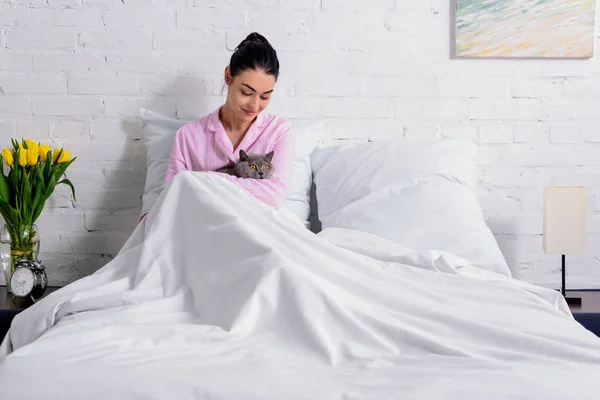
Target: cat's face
[256, 166]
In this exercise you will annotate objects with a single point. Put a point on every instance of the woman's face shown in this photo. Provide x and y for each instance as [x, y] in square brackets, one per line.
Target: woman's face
[249, 93]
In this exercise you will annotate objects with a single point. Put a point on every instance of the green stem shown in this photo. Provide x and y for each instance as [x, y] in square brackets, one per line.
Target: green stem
[21, 243]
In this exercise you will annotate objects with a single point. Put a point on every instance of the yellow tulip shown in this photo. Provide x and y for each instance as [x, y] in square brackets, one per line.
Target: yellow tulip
[44, 149]
[8, 157]
[64, 156]
[22, 158]
[29, 143]
[55, 154]
[33, 154]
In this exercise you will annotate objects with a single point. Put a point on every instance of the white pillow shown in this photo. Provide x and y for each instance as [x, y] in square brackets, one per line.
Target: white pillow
[307, 136]
[415, 193]
[159, 135]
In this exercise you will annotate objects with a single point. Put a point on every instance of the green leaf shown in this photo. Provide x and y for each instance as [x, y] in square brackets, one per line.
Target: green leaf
[68, 183]
[4, 190]
[40, 177]
[38, 192]
[38, 211]
[62, 167]
[50, 186]
[15, 177]
[9, 214]
[27, 199]
[48, 166]
[10, 186]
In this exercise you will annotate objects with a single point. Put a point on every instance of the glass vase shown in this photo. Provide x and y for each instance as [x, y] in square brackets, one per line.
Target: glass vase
[17, 242]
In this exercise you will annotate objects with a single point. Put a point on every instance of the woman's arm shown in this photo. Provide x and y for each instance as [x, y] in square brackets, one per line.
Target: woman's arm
[177, 161]
[272, 191]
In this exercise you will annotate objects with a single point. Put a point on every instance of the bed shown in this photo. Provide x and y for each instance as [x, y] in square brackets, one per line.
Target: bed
[403, 293]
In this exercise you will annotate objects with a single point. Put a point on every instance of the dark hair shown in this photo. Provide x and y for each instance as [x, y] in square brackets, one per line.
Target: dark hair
[254, 52]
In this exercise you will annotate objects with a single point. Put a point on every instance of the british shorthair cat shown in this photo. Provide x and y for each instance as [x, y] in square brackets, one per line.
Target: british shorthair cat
[255, 166]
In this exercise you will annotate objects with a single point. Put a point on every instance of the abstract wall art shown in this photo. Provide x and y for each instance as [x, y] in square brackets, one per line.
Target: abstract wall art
[525, 28]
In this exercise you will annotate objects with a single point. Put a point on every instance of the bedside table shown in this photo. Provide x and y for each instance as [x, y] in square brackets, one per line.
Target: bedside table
[588, 313]
[10, 308]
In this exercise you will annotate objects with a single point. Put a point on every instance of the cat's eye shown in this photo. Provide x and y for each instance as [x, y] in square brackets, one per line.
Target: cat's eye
[266, 167]
[253, 167]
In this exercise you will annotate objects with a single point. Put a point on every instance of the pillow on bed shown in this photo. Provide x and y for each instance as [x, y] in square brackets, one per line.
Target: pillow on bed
[416, 193]
[159, 135]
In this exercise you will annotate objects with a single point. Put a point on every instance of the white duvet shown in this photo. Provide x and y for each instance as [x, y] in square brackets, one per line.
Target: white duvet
[217, 296]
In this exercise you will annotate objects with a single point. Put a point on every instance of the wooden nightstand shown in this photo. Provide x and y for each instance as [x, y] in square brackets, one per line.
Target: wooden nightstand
[9, 307]
[588, 313]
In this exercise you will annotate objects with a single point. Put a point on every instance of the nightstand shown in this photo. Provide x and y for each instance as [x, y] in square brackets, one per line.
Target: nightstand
[10, 308]
[588, 313]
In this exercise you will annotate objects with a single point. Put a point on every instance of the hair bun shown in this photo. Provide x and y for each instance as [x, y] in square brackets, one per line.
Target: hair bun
[254, 37]
[255, 52]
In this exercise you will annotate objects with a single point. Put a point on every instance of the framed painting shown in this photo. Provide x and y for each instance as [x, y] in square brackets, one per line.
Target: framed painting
[525, 28]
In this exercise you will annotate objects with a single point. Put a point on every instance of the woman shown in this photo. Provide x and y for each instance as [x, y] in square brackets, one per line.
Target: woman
[215, 140]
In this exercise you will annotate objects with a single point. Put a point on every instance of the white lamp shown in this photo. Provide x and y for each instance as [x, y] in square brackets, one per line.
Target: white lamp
[565, 211]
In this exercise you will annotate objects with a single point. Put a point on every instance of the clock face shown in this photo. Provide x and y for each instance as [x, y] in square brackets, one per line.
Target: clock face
[21, 282]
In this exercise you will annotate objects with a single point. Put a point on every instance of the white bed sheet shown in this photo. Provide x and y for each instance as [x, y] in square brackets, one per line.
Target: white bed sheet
[290, 315]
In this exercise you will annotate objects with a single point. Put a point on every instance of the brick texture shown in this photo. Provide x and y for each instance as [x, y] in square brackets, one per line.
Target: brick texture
[76, 72]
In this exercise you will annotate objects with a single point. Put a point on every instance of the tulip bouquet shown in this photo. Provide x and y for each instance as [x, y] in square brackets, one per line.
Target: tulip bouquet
[30, 173]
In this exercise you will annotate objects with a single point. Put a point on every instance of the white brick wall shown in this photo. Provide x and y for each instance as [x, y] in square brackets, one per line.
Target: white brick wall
[76, 72]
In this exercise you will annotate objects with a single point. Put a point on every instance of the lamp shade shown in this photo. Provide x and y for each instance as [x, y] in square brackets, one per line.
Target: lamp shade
[565, 211]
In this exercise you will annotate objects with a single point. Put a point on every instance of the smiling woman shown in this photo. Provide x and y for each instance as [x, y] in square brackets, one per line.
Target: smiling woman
[240, 125]
[250, 77]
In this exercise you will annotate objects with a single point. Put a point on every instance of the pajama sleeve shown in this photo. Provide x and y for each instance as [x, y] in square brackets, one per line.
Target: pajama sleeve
[177, 159]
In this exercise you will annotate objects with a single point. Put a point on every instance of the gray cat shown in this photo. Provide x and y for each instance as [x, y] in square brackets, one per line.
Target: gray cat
[256, 166]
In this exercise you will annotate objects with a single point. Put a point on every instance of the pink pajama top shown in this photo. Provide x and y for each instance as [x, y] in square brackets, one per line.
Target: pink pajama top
[204, 145]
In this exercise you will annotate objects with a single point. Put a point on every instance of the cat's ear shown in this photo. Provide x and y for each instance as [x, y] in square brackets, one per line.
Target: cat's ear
[243, 155]
[269, 156]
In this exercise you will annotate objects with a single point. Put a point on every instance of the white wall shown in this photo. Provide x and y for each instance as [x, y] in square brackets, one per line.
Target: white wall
[76, 72]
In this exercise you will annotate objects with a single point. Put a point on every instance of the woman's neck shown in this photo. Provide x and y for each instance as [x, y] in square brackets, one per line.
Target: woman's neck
[232, 124]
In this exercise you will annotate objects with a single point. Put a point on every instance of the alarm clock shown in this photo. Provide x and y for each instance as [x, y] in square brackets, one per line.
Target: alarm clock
[29, 279]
